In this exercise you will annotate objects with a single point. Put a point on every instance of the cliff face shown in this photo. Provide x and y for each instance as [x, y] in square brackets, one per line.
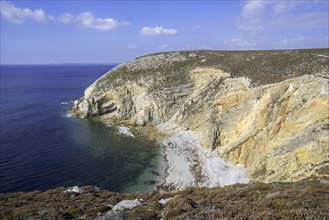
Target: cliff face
[268, 110]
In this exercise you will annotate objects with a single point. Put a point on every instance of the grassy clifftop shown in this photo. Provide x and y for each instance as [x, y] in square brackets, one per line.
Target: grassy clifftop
[261, 66]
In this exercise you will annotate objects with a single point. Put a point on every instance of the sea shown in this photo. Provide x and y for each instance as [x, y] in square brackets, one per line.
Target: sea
[42, 148]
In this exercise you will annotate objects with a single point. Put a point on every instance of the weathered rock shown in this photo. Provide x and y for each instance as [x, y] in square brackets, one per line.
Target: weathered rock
[127, 204]
[268, 110]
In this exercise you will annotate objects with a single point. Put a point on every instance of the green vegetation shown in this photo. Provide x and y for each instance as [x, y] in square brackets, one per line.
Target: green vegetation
[307, 199]
[162, 70]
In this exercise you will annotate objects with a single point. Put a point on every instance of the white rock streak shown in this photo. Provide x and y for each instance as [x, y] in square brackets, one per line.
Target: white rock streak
[74, 189]
[187, 164]
[127, 204]
[164, 201]
[222, 173]
[118, 208]
[125, 131]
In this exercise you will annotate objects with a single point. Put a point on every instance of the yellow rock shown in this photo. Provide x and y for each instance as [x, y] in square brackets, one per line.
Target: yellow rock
[277, 131]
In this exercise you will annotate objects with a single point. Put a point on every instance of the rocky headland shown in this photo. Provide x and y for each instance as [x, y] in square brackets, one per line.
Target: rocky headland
[263, 114]
[224, 119]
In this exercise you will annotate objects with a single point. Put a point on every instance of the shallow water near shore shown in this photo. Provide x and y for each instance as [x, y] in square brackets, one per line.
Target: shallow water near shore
[41, 148]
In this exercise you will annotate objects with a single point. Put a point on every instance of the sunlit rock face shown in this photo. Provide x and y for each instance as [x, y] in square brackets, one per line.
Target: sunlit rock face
[267, 110]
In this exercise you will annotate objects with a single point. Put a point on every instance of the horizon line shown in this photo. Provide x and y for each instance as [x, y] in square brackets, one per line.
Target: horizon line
[58, 64]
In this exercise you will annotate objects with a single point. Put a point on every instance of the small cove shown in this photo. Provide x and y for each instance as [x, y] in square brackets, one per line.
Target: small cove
[41, 148]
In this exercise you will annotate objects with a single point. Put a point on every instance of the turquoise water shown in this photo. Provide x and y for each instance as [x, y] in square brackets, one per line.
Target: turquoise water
[41, 148]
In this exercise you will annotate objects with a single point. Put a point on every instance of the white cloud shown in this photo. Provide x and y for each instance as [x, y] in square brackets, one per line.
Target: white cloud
[18, 15]
[258, 15]
[88, 20]
[252, 14]
[156, 31]
[253, 9]
[256, 8]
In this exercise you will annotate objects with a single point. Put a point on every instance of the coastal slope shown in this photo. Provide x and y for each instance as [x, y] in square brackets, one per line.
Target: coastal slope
[266, 111]
[306, 199]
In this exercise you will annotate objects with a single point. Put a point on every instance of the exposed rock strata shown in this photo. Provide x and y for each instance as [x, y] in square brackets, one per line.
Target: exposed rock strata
[267, 110]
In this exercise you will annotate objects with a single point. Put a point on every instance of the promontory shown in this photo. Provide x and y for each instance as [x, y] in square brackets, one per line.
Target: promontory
[266, 112]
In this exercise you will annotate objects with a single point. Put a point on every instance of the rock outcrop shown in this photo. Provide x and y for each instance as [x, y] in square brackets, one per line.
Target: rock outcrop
[267, 110]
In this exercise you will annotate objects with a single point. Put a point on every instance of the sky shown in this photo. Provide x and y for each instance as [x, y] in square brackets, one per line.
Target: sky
[42, 32]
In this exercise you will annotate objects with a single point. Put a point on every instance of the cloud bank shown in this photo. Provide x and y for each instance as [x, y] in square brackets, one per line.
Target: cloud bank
[88, 20]
[258, 15]
[259, 18]
[156, 31]
[17, 15]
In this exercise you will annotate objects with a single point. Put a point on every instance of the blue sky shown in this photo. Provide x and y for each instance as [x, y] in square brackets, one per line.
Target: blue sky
[38, 32]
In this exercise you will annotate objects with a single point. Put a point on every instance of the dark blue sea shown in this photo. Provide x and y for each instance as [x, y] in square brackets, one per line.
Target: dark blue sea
[42, 148]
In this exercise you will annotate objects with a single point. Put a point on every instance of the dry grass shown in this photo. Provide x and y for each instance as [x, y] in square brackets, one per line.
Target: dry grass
[308, 199]
[165, 70]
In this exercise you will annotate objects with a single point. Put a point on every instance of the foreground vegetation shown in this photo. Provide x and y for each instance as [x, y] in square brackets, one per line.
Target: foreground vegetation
[307, 199]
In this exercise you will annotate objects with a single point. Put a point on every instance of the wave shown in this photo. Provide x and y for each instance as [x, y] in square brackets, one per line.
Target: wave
[68, 114]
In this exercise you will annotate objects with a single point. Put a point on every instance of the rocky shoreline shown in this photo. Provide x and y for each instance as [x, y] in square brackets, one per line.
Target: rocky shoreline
[182, 161]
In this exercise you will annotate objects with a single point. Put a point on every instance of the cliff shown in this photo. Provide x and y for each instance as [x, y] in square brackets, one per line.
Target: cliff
[266, 110]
